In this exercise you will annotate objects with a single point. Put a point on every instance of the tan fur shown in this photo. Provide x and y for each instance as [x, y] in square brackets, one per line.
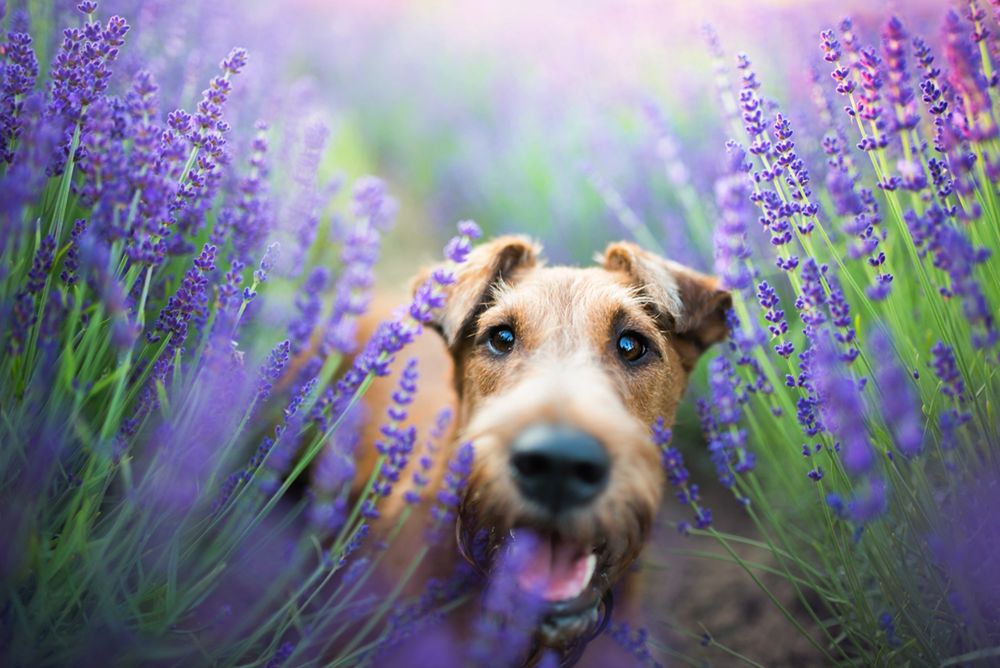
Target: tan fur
[565, 369]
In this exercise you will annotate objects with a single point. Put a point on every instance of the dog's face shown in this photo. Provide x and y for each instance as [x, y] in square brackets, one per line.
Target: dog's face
[561, 372]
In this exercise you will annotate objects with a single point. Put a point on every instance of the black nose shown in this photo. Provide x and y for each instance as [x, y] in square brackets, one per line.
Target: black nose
[559, 467]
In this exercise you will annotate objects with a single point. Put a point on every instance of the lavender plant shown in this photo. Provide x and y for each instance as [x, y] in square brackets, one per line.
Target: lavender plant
[843, 415]
[148, 452]
[155, 427]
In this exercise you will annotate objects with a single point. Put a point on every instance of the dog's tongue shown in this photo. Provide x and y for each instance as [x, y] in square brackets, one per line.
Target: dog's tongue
[554, 569]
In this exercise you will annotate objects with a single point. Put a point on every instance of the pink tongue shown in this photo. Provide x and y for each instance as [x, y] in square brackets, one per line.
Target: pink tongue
[554, 569]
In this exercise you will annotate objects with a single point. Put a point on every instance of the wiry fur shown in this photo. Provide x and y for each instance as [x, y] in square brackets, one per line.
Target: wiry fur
[564, 369]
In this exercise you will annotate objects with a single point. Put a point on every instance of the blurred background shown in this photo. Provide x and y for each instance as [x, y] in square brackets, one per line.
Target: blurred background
[570, 121]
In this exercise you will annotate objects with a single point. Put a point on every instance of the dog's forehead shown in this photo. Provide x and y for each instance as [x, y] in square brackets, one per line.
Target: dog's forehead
[568, 294]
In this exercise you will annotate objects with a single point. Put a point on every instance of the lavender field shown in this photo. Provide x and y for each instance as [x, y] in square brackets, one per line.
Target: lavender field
[201, 201]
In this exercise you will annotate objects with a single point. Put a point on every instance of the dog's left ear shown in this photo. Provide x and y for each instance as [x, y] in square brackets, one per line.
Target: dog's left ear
[690, 305]
[497, 261]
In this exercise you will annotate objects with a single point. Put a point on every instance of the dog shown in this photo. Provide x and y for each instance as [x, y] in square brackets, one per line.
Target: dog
[555, 375]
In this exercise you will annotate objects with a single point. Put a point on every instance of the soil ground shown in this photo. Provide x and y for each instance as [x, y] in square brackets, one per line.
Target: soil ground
[690, 594]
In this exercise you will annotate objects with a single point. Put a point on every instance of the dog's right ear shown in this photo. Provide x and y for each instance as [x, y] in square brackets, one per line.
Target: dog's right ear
[488, 264]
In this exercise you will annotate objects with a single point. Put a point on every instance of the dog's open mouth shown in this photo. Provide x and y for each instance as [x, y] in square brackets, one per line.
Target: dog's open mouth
[568, 580]
[552, 568]
[564, 576]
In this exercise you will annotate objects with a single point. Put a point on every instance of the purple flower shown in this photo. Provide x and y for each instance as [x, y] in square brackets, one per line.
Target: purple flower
[812, 298]
[304, 210]
[797, 177]
[188, 304]
[103, 162]
[22, 321]
[266, 263]
[271, 372]
[843, 411]
[752, 109]
[678, 476]
[966, 78]
[868, 503]
[840, 312]
[309, 305]
[397, 442]
[888, 627]
[425, 461]
[336, 465]
[333, 473]
[251, 219]
[775, 315]
[81, 69]
[17, 79]
[869, 72]
[469, 229]
[742, 343]
[373, 204]
[275, 456]
[459, 247]
[94, 258]
[806, 405]
[842, 407]
[832, 54]
[783, 212]
[376, 357]
[946, 370]
[860, 204]
[899, 93]
[720, 416]
[503, 632]
[900, 405]
[205, 131]
[235, 61]
[41, 265]
[967, 548]
[635, 644]
[71, 262]
[282, 655]
[359, 253]
[731, 192]
[374, 360]
[228, 293]
[955, 254]
[445, 509]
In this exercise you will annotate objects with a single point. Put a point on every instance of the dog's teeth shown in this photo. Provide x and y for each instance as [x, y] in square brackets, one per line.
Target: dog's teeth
[591, 566]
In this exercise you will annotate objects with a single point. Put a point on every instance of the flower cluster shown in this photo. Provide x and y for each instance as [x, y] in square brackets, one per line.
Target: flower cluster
[720, 417]
[678, 476]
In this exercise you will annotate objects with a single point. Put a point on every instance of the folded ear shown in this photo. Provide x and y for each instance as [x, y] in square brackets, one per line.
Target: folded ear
[498, 260]
[690, 305]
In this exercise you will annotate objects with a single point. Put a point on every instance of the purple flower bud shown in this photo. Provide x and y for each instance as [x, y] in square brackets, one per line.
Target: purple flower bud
[470, 229]
[946, 370]
[841, 406]
[41, 265]
[235, 61]
[720, 416]
[900, 405]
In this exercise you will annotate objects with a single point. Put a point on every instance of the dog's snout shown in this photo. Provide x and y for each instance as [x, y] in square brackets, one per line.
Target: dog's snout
[559, 467]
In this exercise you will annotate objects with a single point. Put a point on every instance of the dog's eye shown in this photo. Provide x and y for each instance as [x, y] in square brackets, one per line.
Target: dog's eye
[501, 340]
[631, 346]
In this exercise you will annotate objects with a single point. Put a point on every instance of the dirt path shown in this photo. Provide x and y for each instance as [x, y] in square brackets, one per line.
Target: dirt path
[689, 592]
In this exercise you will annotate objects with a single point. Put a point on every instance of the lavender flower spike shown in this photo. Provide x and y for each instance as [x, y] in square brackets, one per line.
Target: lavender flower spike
[901, 407]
